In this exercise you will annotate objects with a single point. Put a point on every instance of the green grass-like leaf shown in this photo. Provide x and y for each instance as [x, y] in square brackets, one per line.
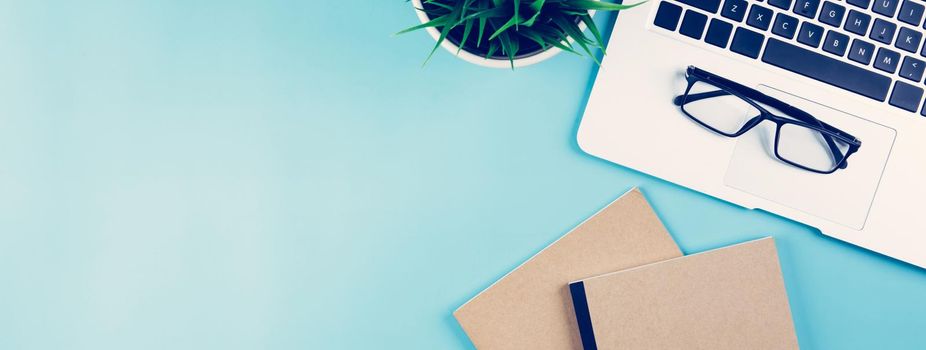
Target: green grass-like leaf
[512, 23]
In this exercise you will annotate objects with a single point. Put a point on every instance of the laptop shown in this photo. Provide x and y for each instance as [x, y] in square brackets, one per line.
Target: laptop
[856, 65]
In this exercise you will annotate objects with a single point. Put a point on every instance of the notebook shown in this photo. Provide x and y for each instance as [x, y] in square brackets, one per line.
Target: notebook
[530, 307]
[728, 298]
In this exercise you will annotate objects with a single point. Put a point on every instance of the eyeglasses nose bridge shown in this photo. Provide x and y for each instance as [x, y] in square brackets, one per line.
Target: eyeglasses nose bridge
[753, 122]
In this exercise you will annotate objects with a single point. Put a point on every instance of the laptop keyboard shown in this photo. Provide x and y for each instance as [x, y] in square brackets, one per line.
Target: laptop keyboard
[873, 48]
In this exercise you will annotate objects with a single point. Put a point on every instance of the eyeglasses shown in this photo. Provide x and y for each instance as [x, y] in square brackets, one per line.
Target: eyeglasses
[732, 109]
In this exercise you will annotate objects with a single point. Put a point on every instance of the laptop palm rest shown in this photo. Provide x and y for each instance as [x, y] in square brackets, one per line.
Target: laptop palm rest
[843, 197]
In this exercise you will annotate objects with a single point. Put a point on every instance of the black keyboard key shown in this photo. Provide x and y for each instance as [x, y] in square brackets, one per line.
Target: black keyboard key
[734, 9]
[832, 14]
[912, 69]
[887, 60]
[885, 7]
[706, 5]
[759, 17]
[785, 26]
[826, 69]
[718, 33]
[860, 3]
[836, 43]
[747, 42]
[693, 24]
[861, 51]
[667, 16]
[782, 4]
[911, 12]
[857, 22]
[908, 39]
[807, 8]
[883, 31]
[810, 34]
[906, 96]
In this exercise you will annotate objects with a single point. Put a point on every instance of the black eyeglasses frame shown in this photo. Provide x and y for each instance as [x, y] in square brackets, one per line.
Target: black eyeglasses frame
[752, 96]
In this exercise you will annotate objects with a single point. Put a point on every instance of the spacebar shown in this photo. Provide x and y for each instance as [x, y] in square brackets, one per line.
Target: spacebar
[825, 69]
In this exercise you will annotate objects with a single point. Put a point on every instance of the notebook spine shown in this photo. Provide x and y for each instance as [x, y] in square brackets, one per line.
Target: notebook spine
[583, 317]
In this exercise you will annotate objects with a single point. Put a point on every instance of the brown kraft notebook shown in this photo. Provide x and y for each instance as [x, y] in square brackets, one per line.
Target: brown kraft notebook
[530, 308]
[727, 298]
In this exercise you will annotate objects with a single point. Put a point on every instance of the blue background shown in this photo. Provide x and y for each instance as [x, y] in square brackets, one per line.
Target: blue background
[285, 174]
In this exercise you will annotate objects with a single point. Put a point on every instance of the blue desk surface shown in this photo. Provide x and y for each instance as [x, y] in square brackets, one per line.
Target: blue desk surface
[284, 174]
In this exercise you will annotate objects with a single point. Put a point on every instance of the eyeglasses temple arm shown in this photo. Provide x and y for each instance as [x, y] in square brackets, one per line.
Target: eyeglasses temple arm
[768, 100]
[680, 99]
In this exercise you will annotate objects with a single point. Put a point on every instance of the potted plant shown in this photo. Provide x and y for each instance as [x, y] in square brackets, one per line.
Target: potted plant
[511, 33]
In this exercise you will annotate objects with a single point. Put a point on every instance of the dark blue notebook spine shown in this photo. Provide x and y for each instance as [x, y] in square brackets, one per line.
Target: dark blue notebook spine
[580, 304]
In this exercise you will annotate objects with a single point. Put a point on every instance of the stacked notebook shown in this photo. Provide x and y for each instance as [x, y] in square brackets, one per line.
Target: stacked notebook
[619, 281]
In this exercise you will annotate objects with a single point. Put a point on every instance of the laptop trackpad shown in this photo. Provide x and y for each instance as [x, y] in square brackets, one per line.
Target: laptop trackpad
[843, 197]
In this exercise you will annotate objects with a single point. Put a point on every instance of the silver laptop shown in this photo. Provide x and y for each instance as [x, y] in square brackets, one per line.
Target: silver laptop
[856, 68]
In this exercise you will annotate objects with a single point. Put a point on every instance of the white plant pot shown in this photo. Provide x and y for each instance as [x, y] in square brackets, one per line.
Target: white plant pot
[488, 62]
